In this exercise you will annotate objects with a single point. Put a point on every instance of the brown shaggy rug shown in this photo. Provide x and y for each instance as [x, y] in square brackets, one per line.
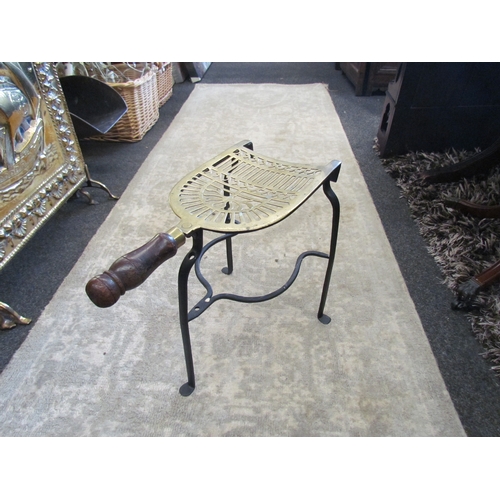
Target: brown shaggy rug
[461, 244]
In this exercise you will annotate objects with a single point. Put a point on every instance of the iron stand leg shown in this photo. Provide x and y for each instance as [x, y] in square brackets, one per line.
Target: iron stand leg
[229, 253]
[229, 246]
[93, 183]
[333, 245]
[188, 262]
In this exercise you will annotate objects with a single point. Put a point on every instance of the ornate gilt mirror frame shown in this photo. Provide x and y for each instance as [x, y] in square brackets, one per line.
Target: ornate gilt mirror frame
[41, 164]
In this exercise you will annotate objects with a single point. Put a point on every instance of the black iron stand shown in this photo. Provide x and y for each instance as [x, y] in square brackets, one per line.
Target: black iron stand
[194, 256]
[93, 183]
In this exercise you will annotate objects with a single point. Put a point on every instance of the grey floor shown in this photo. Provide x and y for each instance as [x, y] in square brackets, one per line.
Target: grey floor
[30, 280]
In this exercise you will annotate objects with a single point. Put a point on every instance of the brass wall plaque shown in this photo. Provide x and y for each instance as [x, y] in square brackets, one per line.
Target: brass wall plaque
[41, 164]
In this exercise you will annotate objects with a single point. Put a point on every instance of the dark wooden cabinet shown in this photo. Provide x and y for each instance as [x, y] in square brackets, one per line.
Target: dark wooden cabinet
[369, 77]
[437, 106]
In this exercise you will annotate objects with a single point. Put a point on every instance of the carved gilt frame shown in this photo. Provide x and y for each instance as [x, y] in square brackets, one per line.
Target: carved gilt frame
[47, 167]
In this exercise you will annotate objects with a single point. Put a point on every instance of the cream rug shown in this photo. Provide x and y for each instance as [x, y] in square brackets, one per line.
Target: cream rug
[269, 369]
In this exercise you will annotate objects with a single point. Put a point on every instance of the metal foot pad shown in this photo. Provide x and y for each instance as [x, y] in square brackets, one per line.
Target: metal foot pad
[186, 390]
[325, 319]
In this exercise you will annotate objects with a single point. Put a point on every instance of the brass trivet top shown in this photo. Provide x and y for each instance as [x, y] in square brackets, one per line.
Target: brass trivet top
[239, 191]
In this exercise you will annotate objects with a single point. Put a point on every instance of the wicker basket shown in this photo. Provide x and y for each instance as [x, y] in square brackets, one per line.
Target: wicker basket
[141, 96]
[165, 82]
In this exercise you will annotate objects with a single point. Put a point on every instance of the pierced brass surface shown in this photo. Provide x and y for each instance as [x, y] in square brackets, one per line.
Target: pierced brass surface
[239, 191]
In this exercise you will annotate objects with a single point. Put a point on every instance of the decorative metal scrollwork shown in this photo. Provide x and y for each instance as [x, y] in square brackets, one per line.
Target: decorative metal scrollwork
[40, 161]
[41, 164]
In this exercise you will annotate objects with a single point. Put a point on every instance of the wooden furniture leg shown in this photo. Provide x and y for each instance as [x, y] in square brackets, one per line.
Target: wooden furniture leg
[477, 164]
[467, 207]
[467, 291]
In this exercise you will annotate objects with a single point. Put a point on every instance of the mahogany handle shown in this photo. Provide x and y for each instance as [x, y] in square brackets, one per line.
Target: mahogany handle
[131, 270]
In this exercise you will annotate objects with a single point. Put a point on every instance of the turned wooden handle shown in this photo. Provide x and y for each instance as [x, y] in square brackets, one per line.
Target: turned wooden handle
[131, 270]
